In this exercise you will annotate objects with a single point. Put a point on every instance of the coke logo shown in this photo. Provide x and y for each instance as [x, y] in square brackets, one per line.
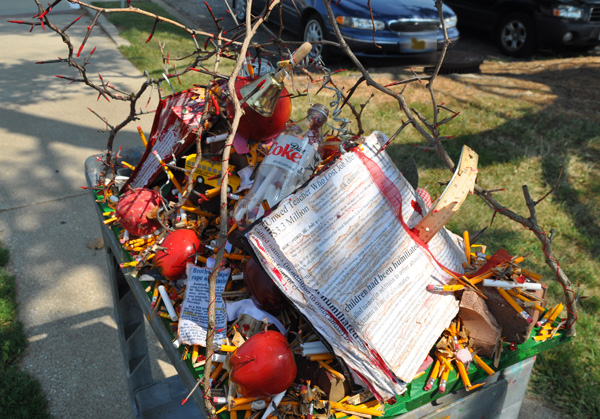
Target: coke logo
[287, 151]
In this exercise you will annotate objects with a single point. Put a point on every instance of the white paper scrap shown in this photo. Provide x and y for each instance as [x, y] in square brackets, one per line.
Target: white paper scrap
[193, 319]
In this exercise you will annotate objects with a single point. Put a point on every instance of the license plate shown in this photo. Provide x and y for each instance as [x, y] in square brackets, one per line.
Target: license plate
[417, 44]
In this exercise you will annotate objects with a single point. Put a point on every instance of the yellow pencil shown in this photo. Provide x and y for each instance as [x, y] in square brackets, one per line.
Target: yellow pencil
[519, 259]
[444, 361]
[211, 193]
[127, 165]
[234, 256]
[155, 293]
[169, 173]
[479, 278]
[356, 409]
[320, 357]
[333, 372]
[142, 136]
[455, 287]
[444, 380]
[467, 246]
[246, 406]
[465, 281]
[433, 376]
[452, 329]
[195, 353]
[482, 364]
[245, 400]
[554, 316]
[547, 315]
[227, 348]
[463, 374]
[531, 275]
[129, 264]
[249, 65]
[515, 293]
[514, 305]
[196, 211]
[217, 371]
[542, 337]
[372, 404]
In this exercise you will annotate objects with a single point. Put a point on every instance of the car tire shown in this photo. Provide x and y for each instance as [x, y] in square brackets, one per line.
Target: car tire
[516, 35]
[239, 9]
[313, 32]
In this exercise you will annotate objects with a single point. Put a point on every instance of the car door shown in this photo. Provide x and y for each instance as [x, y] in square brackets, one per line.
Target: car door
[474, 13]
[258, 5]
[292, 14]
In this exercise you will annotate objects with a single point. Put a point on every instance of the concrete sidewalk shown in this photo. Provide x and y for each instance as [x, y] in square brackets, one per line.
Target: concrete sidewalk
[47, 220]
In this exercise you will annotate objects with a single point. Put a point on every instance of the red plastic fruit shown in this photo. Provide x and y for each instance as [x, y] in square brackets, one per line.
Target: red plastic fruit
[133, 209]
[263, 290]
[263, 366]
[255, 127]
[179, 249]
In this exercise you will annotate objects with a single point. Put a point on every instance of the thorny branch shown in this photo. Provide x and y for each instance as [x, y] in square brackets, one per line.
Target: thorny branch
[103, 89]
[235, 46]
[429, 131]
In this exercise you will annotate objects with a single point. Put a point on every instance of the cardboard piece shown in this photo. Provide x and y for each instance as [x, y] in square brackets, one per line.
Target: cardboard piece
[514, 327]
[481, 324]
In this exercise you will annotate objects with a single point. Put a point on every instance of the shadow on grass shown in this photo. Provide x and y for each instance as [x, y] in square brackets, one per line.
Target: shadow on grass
[558, 139]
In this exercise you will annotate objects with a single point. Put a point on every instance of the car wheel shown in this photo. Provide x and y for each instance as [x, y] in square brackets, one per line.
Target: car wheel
[314, 32]
[516, 35]
[239, 8]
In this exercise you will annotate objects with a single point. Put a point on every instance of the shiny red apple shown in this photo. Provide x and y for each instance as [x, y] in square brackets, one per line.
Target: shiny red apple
[263, 290]
[263, 366]
[177, 250]
[255, 127]
[133, 208]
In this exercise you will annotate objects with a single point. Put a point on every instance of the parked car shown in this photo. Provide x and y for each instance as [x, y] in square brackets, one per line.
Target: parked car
[521, 26]
[403, 28]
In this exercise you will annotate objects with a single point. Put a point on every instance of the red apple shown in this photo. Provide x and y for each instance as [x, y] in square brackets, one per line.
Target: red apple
[179, 249]
[263, 290]
[263, 366]
[255, 127]
[133, 209]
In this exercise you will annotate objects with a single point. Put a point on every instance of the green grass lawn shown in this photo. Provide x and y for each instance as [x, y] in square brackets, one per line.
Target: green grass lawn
[528, 148]
[21, 395]
[519, 142]
[176, 46]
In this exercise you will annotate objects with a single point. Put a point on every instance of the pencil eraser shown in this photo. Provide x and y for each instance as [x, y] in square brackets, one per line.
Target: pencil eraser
[529, 320]
[430, 287]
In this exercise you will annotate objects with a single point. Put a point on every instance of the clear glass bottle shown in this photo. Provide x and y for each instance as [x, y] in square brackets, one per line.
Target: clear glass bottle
[292, 159]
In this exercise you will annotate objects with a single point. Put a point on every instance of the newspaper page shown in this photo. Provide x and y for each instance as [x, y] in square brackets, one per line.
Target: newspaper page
[176, 117]
[342, 250]
[193, 319]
